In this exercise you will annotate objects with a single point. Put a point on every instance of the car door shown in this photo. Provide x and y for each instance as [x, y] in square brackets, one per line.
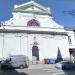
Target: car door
[13, 62]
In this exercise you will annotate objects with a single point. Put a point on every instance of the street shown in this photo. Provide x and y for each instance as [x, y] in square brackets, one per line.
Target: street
[38, 70]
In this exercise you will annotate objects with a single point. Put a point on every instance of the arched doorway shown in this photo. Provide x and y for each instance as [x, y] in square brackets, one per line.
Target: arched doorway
[35, 52]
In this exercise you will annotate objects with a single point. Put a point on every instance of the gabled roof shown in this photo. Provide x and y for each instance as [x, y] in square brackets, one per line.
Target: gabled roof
[22, 8]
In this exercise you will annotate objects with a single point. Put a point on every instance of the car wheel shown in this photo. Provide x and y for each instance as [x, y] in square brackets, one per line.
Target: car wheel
[21, 66]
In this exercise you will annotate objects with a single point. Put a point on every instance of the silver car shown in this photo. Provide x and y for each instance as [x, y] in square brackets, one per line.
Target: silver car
[65, 65]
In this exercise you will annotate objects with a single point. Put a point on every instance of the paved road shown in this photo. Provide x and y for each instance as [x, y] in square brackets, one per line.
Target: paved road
[38, 70]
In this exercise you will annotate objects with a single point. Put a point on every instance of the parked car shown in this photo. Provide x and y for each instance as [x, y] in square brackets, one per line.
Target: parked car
[16, 61]
[65, 65]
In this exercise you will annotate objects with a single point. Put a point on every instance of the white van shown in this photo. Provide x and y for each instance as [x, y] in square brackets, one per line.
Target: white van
[20, 61]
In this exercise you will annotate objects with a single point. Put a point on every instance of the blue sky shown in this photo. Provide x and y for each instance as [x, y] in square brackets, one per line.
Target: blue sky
[59, 10]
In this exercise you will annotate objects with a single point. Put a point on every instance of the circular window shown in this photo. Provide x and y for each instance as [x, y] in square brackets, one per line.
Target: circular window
[33, 22]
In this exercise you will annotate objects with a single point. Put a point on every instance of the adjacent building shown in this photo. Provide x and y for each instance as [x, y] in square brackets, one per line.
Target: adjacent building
[71, 39]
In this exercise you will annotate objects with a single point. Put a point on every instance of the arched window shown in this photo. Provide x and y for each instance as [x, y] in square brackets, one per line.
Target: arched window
[33, 22]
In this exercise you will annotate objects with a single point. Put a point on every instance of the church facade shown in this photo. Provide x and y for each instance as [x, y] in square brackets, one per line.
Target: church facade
[33, 32]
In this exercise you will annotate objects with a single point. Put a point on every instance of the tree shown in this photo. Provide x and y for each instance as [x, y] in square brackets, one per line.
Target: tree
[59, 56]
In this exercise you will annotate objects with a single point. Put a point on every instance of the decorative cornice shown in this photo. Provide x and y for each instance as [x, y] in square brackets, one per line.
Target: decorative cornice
[36, 12]
[31, 31]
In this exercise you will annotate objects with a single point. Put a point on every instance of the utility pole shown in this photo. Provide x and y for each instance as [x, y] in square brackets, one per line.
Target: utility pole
[2, 24]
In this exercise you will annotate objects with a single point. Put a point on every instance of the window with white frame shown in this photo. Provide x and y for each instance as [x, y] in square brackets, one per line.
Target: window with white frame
[69, 39]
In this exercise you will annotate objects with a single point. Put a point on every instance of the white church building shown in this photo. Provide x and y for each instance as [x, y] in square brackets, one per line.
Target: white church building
[33, 32]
